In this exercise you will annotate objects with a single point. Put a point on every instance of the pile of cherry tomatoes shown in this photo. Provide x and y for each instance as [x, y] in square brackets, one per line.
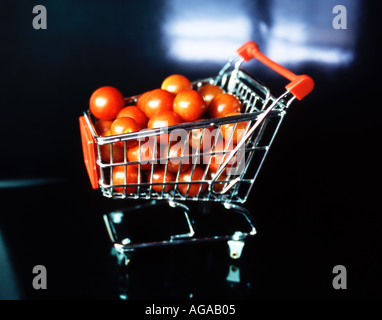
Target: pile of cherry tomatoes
[175, 102]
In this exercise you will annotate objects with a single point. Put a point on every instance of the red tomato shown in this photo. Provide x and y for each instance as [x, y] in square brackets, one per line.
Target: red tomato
[209, 92]
[125, 125]
[102, 126]
[193, 189]
[118, 151]
[179, 149]
[122, 178]
[205, 142]
[106, 102]
[223, 150]
[189, 105]
[223, 104]
[157, 100]
[239, 131]
[162, 120]
[144, 153]
[158, 177]
[176, 83]
[135, 113]
[141, 100]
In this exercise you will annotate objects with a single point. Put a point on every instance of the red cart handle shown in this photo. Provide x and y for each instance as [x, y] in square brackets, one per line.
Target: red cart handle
[299, 86]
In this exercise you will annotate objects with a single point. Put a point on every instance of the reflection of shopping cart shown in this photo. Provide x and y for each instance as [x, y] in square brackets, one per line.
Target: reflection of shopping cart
[239, 163]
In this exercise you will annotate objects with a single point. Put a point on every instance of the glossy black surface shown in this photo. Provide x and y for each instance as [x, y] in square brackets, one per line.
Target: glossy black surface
[316, 201]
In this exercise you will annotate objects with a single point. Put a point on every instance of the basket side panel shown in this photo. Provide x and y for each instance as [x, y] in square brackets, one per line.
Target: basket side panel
[88, 148]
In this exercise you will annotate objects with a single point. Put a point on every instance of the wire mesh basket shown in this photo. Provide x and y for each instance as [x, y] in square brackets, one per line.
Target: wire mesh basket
[225, 171]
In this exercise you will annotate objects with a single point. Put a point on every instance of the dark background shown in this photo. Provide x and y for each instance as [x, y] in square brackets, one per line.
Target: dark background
[315, 203]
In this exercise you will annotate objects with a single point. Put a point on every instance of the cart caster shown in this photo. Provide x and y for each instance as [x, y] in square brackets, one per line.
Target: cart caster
[233, 276]
[236, 245]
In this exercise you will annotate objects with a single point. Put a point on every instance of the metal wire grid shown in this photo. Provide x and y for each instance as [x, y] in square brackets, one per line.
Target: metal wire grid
[255, 98]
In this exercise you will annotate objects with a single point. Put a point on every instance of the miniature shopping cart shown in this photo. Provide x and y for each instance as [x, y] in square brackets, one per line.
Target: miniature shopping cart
[230, 185]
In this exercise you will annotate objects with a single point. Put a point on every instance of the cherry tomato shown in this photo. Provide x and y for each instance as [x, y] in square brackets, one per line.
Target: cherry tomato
[162, 120]
[176, 83]
[106, 102]
[239, 131]
[193, 189]
[148, 150]
[141, 100]
[209, 92]
[222, 151]
[135, 113]
[179, 149]
[102, 126]
[189, 105]
[223, 104]
[205, 142]
[118, 151]
[125, 125]
[122, 178]
[158, 177]
[157, 100]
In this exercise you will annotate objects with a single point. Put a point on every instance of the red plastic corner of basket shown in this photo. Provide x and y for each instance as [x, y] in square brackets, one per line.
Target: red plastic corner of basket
[88, 148]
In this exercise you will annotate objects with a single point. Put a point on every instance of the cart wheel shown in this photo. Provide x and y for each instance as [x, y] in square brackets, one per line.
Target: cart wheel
[235, 248]
[123, 256]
